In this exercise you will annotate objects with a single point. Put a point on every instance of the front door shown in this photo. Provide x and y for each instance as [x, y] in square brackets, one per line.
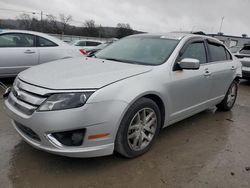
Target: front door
[190, 89]
[17, 52]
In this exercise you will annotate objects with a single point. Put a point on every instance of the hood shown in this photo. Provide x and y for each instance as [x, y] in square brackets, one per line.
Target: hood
[80, 73]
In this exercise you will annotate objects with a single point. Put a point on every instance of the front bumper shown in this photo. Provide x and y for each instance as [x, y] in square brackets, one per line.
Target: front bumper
[95, 118]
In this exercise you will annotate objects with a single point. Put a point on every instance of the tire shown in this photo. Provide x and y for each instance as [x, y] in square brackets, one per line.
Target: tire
[138, 129]
[230, 98]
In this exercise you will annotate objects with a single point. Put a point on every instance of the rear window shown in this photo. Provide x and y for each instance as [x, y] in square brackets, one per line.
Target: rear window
[217, 52]
[81, 43]
[92, 43]
[245, 50]
[42, 42]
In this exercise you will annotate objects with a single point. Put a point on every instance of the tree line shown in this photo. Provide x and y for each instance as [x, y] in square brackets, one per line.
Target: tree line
[63, 25]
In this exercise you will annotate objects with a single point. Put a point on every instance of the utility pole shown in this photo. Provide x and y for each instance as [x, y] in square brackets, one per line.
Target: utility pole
[41, 21]
[222, 19]
[99, 33]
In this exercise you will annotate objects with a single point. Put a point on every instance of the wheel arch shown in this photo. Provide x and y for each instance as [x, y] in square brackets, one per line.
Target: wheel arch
[159, 103]
[237, 79]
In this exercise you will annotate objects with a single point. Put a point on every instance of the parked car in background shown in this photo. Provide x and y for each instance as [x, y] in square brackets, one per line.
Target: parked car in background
[243, 54]
[21, 49]
[235, 49]
[119, 101]
[91, 52]
[85, 45]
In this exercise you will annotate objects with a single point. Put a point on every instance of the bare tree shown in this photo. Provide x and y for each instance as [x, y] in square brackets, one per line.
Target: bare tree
[90, 29]
[124, 30]
[65, 21]
[25, 21]
[89, 24]
[51, 24]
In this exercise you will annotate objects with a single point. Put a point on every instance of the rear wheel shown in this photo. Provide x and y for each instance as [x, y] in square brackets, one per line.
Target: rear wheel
[230, 98]
[138, 129]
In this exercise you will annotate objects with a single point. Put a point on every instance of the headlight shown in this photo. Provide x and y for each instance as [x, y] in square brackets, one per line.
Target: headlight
[63, 101]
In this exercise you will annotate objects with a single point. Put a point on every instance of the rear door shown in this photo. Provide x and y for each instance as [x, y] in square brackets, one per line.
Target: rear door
[49, 50]
[189, 90]
[222, 68]
[17, 52]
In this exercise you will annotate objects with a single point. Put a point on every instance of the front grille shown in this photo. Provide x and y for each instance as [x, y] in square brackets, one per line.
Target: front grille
[21, 106]
[27, 131]
[24, 100]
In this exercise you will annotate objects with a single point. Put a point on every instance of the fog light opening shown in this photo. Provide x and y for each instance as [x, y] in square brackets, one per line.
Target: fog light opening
[70, 138]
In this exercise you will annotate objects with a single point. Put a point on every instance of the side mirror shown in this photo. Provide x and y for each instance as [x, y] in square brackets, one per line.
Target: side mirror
[189, 63]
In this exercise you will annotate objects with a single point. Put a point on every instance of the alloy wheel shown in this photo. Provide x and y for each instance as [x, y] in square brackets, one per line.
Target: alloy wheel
[232, 95]
[142, 129]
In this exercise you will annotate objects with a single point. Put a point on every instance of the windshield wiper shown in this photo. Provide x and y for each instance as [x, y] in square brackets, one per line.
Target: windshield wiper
[124, 61]
[113, 59]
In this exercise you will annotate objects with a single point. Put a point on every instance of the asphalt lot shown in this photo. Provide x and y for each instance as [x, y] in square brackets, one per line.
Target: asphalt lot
[210, 149]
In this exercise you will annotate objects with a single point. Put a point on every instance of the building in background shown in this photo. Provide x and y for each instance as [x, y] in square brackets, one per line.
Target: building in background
[231, 41]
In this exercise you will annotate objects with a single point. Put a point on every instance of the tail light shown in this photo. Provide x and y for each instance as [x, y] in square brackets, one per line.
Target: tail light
[84, 52]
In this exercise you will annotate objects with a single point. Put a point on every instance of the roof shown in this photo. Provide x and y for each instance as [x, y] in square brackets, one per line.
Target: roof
[176, 35]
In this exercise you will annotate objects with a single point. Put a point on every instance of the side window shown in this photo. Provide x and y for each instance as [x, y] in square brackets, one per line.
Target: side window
[81, 43]
[196, 51]
[17, 40]
[217, 52]
[42, 42]
[92, 43]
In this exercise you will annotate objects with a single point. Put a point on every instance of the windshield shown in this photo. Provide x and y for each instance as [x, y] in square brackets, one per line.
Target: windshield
[139, 50]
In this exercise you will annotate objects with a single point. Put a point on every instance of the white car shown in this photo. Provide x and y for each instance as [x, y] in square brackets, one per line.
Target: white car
[243, 54]
[85, 45]
[21, 49]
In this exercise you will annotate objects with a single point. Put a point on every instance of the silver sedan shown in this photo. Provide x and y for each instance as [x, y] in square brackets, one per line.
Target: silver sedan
[121, 98]
[21, 49]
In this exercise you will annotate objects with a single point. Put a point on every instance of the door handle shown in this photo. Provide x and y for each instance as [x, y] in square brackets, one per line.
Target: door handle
[29, 52]
[207, 73]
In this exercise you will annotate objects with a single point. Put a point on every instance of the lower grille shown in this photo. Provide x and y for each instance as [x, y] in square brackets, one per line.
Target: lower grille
[28, 132]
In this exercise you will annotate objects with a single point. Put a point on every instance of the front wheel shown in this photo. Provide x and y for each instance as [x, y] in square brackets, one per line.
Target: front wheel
[230, 98]
[138, 129]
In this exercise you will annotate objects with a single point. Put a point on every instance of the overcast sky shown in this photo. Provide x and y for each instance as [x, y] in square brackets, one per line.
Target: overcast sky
[146, 15]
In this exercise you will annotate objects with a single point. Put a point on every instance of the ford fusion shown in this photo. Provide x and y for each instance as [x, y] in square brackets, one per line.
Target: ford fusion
[118, 100]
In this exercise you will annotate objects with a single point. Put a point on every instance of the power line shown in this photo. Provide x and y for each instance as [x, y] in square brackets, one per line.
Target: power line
[39, 13]
[12, 10]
